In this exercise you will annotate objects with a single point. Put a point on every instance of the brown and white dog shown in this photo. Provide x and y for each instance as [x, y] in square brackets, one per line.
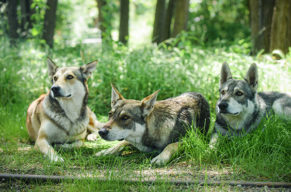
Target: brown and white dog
[154, 125]
[61, 116]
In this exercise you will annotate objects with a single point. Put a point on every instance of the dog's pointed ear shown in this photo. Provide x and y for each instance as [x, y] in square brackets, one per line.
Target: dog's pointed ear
[88, 69]
[115, 96]
[252, 77]
[148, 103]
[225, 73]
[52, 67]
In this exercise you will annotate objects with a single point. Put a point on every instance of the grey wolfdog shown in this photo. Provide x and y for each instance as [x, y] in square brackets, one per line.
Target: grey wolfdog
[153, 125]
[240, 108]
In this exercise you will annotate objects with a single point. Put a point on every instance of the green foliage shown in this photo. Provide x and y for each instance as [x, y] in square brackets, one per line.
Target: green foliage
[8, 90]
[217, 22]
[137, 73]
[39, 7]
[210, 22]
[76, 19]
[109, 11]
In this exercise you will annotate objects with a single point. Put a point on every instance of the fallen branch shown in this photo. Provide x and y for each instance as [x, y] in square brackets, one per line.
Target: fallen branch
[57, 179]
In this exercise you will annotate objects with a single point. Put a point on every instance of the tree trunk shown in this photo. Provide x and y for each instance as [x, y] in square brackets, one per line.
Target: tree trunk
[166, 31]
[50, 22]
[181, 16]
[261, 13]
[280, 32]
[255, 25]
[12, 20]
[26, 13]
[123, 24]
[101, 26]
[268, 7]
[159, 21]
[289, 27]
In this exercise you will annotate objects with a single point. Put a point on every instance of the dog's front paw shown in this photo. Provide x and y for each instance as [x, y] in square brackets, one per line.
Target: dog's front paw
[213, 142]
[92, 137]
[212, 147]
[56, 158]
[160, 160]
[110, 151]
[115, 150]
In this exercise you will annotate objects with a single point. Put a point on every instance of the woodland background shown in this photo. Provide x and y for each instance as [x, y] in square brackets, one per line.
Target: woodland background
[267, 24]
[142, 46]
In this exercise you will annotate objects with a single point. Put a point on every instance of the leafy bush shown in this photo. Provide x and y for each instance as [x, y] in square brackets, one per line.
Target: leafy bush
[218, 22]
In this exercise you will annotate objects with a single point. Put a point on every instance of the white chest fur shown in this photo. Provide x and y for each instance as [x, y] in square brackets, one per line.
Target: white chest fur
[69, 121]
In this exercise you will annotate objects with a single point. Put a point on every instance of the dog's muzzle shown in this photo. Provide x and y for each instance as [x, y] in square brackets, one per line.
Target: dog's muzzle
[57, 92]
[223, 107]
[103, 133]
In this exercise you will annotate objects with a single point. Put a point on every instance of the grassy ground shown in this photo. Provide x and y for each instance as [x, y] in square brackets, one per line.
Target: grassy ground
[262, 155]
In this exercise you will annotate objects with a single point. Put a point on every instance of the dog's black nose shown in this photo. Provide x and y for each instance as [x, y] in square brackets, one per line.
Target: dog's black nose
[223, 105]
[103, 132]
[55, 89]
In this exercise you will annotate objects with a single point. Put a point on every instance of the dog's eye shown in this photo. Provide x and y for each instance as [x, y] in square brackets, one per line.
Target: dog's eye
[124, 117]
[110, 114]
[55, 78]
[239, 93]
[70, 77]
[222, 92]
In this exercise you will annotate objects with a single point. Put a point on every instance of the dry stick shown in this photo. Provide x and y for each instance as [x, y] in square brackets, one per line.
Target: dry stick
[56, 179]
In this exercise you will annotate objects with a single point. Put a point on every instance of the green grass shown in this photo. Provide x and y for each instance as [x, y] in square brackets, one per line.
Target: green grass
[262, 155]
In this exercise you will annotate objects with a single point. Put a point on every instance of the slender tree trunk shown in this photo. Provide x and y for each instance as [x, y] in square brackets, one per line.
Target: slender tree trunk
[281, 26]
[124, 18]
[25, 16]
[12, 21]
[261, 13]
[181, 16]
[159, 21]
[268, 7]
[101, 25]
[50, 22]
[289, 27]
[166, 31]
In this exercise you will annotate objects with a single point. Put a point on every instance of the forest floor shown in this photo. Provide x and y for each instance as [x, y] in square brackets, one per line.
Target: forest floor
[124, 173]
